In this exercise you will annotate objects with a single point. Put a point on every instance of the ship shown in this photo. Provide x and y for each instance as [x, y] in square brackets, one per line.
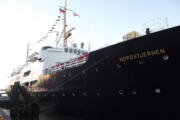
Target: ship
[138, 76]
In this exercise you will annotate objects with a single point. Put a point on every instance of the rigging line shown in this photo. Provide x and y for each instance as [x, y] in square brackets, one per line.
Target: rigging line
[45, 37]
[72, 39]
[67, 81]
[59, 39]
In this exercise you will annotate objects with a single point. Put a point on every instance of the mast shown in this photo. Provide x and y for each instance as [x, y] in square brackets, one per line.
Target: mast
[65, 34]
[64, 31]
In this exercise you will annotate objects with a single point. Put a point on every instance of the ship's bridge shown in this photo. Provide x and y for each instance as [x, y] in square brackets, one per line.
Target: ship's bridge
[51, 56]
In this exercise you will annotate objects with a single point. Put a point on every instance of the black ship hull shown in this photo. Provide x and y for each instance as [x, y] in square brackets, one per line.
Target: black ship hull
[136, 76]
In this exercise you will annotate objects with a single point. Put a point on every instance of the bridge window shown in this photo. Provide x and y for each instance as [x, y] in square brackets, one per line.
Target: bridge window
[66, 49]
[70, 50]
[75, 51]
[79, 52]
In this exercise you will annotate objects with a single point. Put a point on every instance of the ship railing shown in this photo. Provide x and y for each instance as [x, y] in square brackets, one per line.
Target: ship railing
[69, 64]
[78, 63]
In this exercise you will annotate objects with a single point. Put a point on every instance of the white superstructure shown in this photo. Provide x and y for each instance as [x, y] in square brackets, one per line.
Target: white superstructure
[50, 59]
[45, 63]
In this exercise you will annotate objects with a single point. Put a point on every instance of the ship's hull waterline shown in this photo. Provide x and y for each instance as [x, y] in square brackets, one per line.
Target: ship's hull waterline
[139, 75]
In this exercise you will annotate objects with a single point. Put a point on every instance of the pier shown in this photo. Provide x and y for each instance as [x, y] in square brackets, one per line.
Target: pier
[4, 104]
[19, 103]
[4, 115]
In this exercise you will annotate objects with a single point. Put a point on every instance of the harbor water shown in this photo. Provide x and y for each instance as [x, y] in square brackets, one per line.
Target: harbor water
[5, 115]
[49, 115]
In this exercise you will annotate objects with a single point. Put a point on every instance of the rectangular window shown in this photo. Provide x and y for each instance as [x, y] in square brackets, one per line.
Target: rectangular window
[66, 49]
[75, 51]
[26, 84]
[79, 52]
[125, 38]
[33, 82]
[27, 73]
[129, 36]
[70, 50]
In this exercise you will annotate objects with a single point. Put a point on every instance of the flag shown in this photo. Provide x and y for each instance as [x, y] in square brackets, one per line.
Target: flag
[75, 14]
[61, 11]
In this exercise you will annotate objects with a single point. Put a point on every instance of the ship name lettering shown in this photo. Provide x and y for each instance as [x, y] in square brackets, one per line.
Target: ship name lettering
[144, 54]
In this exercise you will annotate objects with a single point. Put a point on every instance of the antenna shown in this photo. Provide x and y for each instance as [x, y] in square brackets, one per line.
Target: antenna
[27, 54]
[89, 46]
[166, 21]
[57, 35]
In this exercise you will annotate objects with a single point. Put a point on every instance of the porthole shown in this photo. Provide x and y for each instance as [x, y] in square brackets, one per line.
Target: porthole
[98, 94]
[121, 92]
[63, 94]
[165, 57]
[140, 62]
[134, 92]
[157, 90]
[85, 94]
[73, 94]
[118, 66]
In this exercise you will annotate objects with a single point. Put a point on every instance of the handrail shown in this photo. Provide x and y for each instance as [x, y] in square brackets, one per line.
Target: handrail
[69, 64]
